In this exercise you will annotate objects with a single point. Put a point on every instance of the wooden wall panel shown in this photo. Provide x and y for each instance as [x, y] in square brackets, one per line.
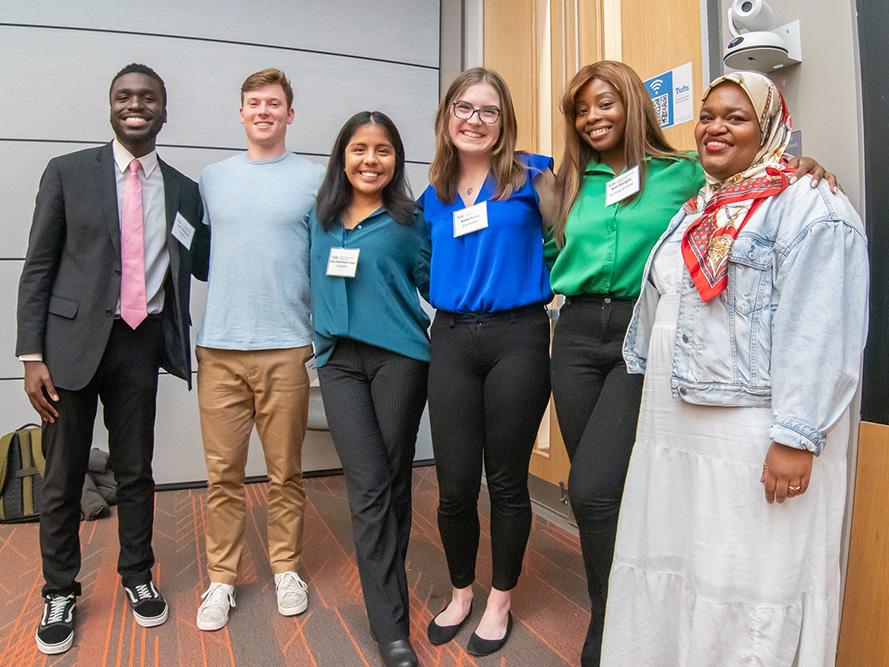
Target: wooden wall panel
[510, 49]
[864, 629]
[656, 37]
[576, 40]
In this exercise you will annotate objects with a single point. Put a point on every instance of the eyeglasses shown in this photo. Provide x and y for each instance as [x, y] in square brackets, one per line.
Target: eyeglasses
[465, 111]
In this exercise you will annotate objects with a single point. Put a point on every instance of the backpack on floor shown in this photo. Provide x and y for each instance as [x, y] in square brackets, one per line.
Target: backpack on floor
[21, 474]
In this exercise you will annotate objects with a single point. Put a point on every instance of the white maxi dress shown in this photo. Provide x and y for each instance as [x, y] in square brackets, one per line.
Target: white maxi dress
[706, 573]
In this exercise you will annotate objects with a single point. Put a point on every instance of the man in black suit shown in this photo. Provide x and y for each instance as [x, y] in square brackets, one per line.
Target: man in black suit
[103, 303]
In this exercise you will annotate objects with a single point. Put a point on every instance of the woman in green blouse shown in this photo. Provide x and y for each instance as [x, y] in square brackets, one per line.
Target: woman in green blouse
[618, 185]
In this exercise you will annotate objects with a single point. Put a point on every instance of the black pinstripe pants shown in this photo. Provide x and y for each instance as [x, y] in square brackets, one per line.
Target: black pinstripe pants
[374, 399]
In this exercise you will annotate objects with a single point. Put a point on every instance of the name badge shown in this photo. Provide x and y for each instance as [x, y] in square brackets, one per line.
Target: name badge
[470, 219]
[183, 231]
[621, 187]
[343, 262]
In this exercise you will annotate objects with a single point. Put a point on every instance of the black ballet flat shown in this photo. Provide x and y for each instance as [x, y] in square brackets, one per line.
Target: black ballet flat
[481, 647]
[399, 653]
[442, 634]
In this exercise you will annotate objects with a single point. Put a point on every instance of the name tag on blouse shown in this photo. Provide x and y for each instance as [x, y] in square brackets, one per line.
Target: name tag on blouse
[621, 187]
[343, 262]
[470, 219]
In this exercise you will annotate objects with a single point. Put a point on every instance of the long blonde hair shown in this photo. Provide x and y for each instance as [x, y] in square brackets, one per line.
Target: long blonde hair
[642, 134]
[507, 170]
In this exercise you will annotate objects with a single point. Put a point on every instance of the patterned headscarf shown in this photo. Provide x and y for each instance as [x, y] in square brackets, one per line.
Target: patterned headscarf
[727, 205]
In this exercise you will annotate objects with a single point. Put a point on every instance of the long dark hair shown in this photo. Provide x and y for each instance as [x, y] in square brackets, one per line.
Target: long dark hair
[335, 193]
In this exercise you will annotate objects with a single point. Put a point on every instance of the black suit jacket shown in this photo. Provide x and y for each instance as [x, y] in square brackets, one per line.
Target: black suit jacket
[70, 282]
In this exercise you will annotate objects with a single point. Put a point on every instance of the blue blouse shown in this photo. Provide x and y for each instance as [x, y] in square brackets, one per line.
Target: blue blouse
[380, 305]
[496, 268]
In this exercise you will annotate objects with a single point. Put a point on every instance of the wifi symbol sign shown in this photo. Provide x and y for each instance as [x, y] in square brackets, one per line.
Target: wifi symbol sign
[656, 85]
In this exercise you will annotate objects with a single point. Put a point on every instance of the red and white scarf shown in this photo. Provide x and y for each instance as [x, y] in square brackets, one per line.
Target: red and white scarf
[727, 205]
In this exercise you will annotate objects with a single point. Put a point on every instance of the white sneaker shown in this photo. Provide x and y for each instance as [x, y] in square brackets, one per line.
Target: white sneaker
[292, 594]
[217, 600]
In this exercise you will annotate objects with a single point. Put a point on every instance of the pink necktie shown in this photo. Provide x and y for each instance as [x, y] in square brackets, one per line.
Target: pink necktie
[133, 307]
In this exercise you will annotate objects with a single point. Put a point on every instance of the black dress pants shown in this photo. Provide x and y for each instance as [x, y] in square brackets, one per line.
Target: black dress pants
[488, 388]
[597, 402]
[126, 382]
[374, 400]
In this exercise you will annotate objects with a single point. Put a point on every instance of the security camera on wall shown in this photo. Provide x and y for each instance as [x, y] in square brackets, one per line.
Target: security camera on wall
[755, 45]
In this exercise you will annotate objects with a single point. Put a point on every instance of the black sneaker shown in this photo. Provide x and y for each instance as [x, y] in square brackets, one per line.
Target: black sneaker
[55, 633]
[149, 606]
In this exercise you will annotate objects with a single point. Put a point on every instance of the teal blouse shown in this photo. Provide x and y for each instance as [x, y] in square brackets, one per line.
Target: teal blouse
[380, 306]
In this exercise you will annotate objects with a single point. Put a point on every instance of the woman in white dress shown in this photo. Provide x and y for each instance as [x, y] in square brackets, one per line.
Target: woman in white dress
[749, 330]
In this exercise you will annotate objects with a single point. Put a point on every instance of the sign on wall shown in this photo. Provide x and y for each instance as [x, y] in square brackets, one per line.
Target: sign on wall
[671, 93]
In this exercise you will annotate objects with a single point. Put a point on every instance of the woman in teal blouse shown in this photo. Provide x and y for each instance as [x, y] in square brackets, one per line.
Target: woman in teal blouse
[618, 185]
[369, 258]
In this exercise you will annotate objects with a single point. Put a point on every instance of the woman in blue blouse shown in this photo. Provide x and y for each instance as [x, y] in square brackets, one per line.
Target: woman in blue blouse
[369, 257]
[489, 372]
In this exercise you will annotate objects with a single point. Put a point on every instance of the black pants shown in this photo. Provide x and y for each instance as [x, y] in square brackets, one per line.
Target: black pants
[374, 399]
[126, 381]
[488, 389]
[598, 405]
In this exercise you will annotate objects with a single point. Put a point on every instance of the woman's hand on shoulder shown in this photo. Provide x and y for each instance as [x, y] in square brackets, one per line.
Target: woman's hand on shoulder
[807, 166]
[786, 472]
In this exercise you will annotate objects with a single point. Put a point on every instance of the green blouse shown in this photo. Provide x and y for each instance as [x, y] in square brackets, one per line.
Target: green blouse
[606, 246]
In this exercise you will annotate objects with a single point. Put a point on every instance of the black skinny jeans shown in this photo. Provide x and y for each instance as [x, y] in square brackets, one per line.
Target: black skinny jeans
[374, 399]
[597, 402]
[488, 389]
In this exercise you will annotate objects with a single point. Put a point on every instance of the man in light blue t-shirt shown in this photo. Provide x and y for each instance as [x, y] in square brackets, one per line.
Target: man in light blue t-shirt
[255, 341]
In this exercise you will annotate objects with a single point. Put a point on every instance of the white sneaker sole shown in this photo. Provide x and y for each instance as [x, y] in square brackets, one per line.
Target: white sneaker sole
[52, 649]
[211, 627]
[150, 622]
[294, 611]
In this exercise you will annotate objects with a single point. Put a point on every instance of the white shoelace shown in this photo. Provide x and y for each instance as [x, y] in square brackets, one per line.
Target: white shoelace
[57, 606]
[215, 596]
[144, 592]
[289, 582]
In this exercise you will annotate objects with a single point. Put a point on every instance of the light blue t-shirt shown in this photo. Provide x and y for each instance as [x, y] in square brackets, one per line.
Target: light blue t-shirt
[258, 212]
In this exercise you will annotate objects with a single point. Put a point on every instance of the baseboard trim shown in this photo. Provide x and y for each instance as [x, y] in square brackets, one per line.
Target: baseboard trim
[259, 479]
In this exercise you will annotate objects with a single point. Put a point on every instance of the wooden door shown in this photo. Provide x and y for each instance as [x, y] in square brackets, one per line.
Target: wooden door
[538, 46]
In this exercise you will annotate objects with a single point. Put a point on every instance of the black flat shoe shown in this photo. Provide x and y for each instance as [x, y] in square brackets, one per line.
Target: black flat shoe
[481, 647]
[442, 634]
[399, 653]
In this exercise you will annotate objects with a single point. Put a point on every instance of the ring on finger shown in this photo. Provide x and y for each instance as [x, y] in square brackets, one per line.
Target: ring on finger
[794, 488]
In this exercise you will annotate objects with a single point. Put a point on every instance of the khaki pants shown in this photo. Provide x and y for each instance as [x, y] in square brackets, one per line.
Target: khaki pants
[237, 388]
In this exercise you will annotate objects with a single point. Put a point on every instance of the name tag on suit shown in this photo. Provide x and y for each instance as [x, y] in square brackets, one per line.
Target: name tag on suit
[183, 231]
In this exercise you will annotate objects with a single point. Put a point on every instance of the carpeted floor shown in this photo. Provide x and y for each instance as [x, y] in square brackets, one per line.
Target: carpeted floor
[550, 605]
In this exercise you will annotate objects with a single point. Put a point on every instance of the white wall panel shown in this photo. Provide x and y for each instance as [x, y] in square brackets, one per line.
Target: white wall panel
[15, 409]
[22, 163]
[402, 30]
[203, 82]
[9, 284]
[342, 57]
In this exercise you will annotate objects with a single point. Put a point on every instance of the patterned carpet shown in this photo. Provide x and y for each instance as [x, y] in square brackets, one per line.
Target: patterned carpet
[549, 606]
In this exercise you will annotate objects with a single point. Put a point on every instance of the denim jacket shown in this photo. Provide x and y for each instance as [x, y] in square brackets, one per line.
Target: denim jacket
[788, 330]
